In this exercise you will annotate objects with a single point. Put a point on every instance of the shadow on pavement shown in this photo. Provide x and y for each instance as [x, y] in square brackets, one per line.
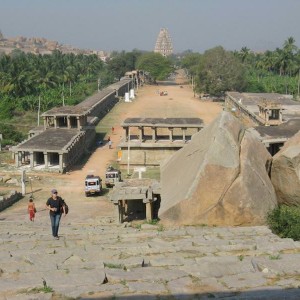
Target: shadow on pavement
[263, 294]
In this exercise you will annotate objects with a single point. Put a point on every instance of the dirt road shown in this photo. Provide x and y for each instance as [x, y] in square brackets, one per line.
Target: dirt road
[178, 103]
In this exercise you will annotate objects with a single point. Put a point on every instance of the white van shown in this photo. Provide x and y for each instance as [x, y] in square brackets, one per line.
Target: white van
[93, 185]
[112, 176]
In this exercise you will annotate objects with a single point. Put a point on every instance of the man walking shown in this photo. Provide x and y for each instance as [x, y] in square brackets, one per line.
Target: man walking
[56, 207]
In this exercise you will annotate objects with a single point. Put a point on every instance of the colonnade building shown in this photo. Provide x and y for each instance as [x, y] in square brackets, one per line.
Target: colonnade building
[149, 141]
[68, 131]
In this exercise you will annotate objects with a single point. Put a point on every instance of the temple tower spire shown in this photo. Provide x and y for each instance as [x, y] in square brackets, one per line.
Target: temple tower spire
[164, 44]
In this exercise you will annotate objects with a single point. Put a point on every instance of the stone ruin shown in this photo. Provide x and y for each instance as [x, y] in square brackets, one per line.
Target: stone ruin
[219, 178]
[285, 174]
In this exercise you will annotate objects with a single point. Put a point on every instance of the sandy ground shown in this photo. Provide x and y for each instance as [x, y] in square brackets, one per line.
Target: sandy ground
[178, 103]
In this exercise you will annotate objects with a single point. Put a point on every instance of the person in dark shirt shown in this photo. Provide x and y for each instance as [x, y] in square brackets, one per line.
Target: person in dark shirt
[56, 207]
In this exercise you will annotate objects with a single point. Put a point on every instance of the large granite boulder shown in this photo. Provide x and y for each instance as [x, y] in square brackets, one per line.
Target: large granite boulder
[285, 173]
[220, 178]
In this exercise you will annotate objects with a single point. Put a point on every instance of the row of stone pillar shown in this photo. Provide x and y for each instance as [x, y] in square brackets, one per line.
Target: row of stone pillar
[154, 133]
[55, 121]
[122, 207]
[22, 156]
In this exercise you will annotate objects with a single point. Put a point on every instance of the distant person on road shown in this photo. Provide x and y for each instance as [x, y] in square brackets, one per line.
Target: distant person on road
[56, 207]
[112, 130]
[31, 210]
[109, 142]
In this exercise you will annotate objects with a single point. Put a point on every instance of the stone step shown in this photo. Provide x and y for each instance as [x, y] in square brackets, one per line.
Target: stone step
[189, 260]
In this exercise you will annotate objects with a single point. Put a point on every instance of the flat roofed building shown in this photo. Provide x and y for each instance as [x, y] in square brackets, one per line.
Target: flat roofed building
[274, 137]
[68, 131]
[275, 117]
[148, 141]
[256, 106]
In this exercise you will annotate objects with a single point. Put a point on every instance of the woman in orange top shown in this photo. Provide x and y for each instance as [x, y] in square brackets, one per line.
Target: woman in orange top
[31, 210]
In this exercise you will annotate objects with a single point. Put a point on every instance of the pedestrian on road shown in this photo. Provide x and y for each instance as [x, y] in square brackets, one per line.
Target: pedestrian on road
[112, 130]
[56, 207]
[31, 209]
[109, 144]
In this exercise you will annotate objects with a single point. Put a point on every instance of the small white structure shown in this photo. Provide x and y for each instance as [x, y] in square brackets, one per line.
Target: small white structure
[131, 94]
[127, 97]
[140, 170]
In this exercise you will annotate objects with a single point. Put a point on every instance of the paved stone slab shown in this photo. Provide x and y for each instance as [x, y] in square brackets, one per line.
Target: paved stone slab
[286, 264]
[218, 266]
[144, 274]
[165, 261]
[180, 286]
[147, 288]
[245, 280]
[38, 296]
[185, 263]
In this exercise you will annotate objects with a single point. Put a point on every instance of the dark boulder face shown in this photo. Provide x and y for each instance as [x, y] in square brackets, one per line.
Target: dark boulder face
[219, 178]
[285, 173]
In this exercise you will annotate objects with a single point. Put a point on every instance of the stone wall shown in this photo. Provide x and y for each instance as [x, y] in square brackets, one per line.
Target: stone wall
[231, 103]
[104, 106]
[147, 156]
[6, 201]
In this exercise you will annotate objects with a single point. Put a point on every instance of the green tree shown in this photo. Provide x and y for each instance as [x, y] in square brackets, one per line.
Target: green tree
[121, 62]
[190, 62]
[157, 65]
[220, 71]
[10, 135]
[244, 53]
[7, 106]
[289, 51]
[117, 66]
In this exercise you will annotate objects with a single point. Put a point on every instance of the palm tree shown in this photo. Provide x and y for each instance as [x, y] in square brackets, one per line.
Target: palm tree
[244, 53]
[268, 61]
[289, 45]
[70, 76]
[289, 51]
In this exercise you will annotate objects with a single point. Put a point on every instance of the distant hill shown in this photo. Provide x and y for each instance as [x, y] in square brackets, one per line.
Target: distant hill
[38, 45]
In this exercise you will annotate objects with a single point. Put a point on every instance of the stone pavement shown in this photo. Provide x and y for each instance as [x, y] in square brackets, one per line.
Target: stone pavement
[102, 260]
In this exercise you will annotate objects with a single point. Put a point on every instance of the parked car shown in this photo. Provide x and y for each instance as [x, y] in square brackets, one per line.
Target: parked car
[93, 185]
[112, 176]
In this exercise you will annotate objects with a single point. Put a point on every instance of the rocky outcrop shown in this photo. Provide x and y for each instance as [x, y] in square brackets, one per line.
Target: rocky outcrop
[219, 178]
[285, 174]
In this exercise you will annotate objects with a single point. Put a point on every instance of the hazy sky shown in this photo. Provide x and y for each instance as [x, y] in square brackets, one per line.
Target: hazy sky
[128, 24]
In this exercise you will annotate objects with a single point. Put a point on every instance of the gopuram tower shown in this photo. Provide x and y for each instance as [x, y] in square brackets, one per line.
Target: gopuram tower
[164, 44]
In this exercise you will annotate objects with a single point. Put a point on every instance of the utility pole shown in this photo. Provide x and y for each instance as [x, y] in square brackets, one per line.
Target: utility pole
[137, 83]
[39, 108]
[23, 181]
[128, 152]
[298, 83]
[99, 82]
[62, 94]
[193, 85]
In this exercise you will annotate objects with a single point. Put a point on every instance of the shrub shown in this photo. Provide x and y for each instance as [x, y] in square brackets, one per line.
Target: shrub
[7, 106]
[285, 221]
[10, 135]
